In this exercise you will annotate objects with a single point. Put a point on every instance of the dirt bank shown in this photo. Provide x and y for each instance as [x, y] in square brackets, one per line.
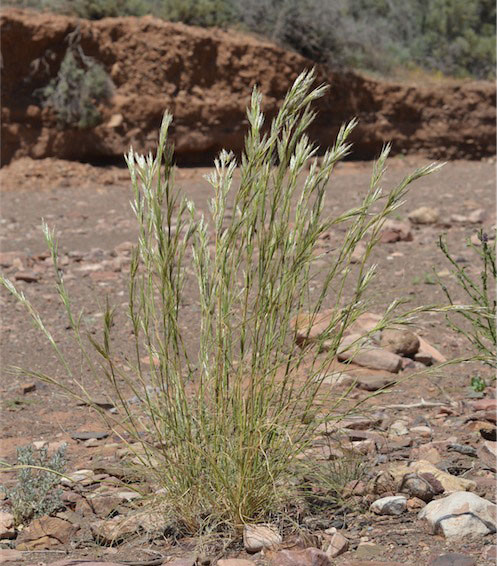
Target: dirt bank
[205, 78]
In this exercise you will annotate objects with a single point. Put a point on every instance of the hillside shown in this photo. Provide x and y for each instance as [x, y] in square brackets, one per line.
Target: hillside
[205, 76]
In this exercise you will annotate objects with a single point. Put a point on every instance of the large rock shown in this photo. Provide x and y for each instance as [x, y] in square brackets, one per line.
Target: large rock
[400, 341]
[428, 354]
[309, 328]
[355, 349]
[45, 533]
[460, 514]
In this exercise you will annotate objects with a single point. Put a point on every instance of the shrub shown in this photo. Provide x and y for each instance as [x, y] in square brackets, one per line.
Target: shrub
[221, 423]
[81, 83]
[38, 476]
[480, 312]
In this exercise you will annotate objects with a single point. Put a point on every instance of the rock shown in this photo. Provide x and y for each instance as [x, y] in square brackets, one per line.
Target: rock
[487, 453]
[420, 487]
[400, 341]
[79, 476]
[452, 559]
[9, 556]
[448, 482]
[426, 452]
[394, 505]
[112, 531]
[104, 276]
[338, 545]
[421, 431]
[235, 562]
[115, 121]
[27, 387]
[311, 329]
[364, 323]
[375, 382]
[415, 503]
[88, 435]
[427, 354]
[460, 514]
[45, 533]
[477, 216]
[355, 349]
[104, 505]
[368, 551]
[306, 557]
[358, 253]
[7, 530]
[257, 537]
[8, 259]
[27, 276]
[424, 215]
[395, 231]
[485, 405]
[398, 428]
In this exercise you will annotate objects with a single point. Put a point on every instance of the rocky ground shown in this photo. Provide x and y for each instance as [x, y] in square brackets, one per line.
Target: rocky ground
[426, 444]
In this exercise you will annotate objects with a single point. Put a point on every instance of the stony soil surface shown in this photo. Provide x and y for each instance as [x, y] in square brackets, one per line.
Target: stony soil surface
[90, 208]
[205, 77]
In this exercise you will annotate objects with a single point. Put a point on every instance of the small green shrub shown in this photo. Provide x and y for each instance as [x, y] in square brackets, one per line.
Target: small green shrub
[479, 314]
[81, 83]
[222, 422]
[38, 476]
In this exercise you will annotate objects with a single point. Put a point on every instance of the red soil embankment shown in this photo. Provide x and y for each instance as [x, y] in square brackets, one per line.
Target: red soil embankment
[204, 77]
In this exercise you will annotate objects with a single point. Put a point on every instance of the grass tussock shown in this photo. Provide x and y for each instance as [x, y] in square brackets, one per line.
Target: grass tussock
[221, 424]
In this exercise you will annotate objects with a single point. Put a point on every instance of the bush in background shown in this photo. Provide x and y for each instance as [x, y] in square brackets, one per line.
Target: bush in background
[79, 86]
[36, 492]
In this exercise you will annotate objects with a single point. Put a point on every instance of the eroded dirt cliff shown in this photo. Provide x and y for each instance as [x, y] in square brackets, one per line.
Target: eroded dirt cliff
[205, 77]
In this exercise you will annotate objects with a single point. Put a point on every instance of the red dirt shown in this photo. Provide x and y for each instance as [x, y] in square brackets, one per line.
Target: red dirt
[205, 78]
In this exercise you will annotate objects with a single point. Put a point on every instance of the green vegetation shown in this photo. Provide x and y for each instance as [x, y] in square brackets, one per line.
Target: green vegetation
[450, 37]
[81, 83]
[38, 475]
[479, 315]
[222, 424]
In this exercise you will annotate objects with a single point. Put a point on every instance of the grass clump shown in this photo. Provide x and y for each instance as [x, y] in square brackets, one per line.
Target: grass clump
[36, 492]
[80, 85]
[479, 313]
[222, 419]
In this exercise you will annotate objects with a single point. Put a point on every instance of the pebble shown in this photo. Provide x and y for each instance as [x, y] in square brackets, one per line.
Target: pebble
[422, 431]
[424, 215]
[27, 276]
[338, 545]
[7, 530]
[398, 428]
